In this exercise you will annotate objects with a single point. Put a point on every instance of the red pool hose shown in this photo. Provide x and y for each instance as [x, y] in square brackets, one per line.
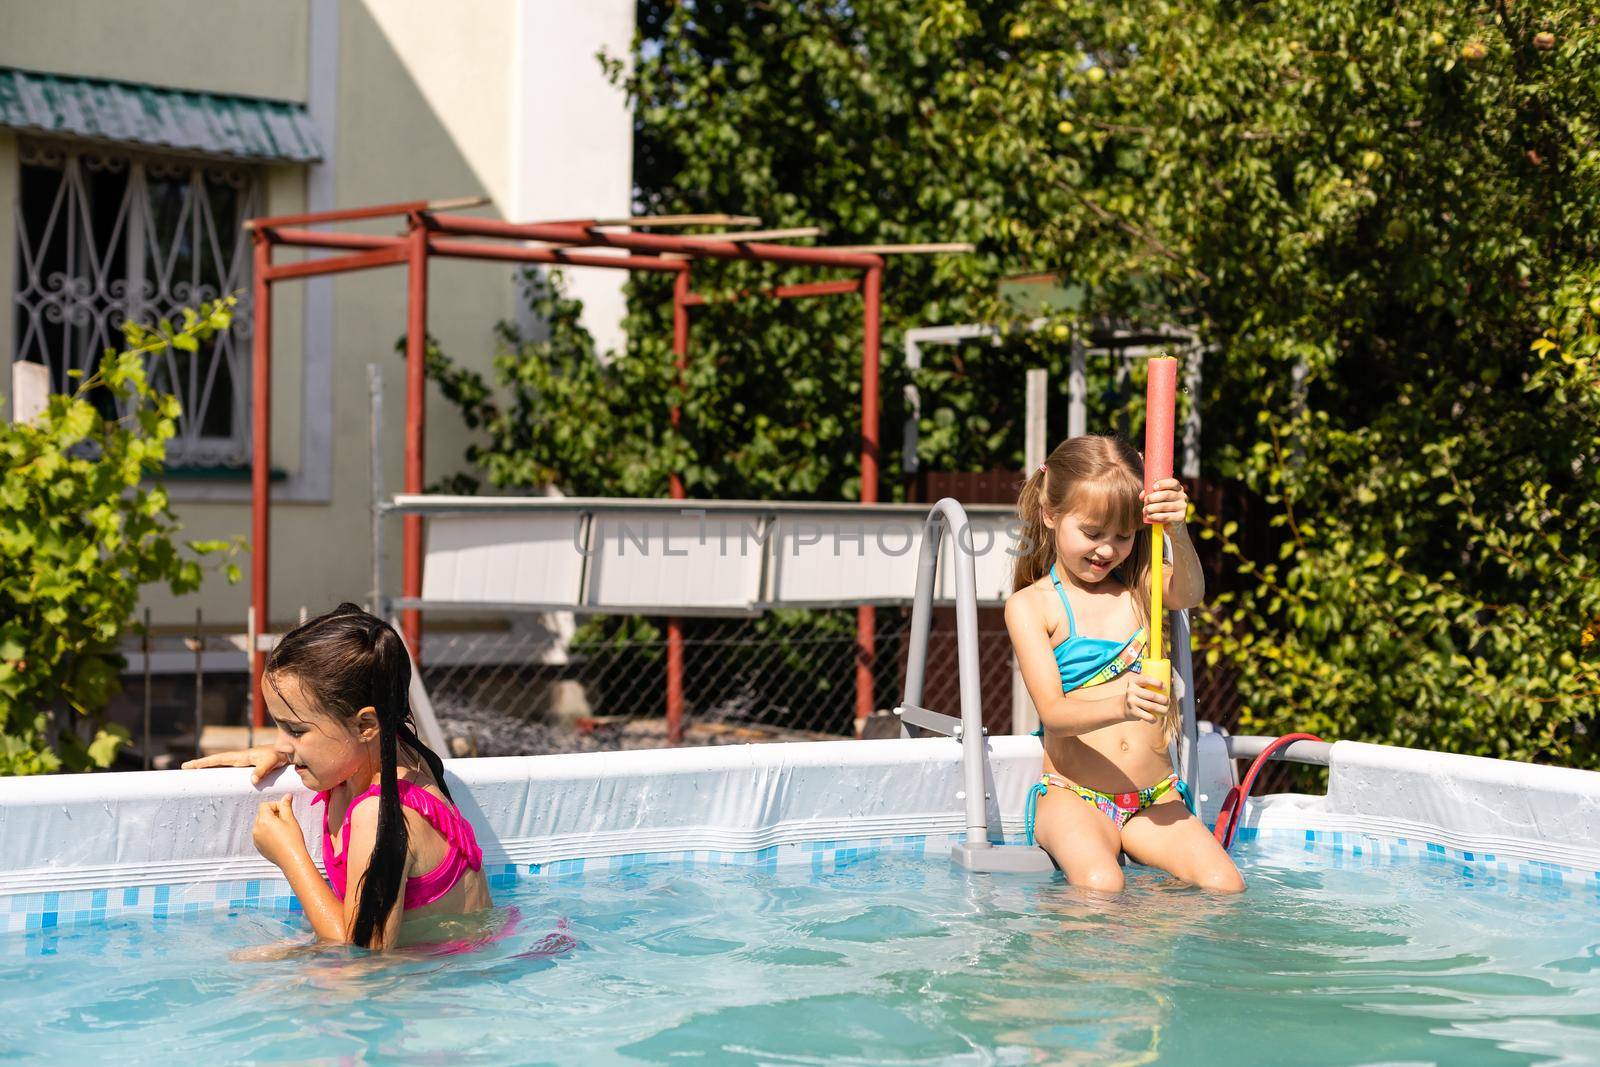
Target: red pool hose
[1232, 813]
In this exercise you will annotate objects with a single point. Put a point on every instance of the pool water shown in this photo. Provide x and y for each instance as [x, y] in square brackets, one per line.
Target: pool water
[888, 959]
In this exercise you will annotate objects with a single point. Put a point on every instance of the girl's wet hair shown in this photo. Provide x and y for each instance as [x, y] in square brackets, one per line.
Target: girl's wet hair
[1099, 479]
[344, 661]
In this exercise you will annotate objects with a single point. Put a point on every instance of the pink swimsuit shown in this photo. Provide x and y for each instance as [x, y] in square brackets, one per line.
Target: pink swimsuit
[457, 832]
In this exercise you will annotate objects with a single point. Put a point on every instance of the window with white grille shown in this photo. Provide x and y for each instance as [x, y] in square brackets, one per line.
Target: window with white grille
[103, 237]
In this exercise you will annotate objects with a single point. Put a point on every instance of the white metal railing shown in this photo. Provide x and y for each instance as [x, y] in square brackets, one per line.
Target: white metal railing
[975, 852]
[689, 557]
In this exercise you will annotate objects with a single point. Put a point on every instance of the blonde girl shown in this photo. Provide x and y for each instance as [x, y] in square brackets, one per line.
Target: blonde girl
[1079, 620]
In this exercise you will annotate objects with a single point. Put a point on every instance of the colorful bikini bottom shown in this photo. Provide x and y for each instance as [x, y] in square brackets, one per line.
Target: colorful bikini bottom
[1118, 807]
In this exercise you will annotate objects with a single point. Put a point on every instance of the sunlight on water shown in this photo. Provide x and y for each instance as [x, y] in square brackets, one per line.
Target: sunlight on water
[890, 960]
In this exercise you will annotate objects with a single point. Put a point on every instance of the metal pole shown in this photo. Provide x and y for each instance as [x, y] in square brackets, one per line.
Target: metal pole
[680, 353]
[967, 673]
[416, 399]
[260, 464]
[1188, 741]
[1077, 390]
[199, 680]
[948, 512]
[909, 463]
[921, 613]
[315, 268]
[375, 445]
[1191, 420]
[372, 211]
[1023, 715]
[250, 647]
[1034, 440]
[866, 615]
[455, 248]
[144, 645]
[584, 234]
[871, 299]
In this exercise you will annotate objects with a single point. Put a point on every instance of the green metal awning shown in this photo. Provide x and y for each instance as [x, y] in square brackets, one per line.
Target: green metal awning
[236, 127]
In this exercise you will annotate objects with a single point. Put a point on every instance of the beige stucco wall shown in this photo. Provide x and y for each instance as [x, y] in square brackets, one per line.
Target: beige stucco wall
[253, 49]
[459, 69]
[392, 143]
[427, 104]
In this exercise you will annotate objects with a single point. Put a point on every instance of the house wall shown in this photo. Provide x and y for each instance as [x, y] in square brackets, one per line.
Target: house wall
[500, 98]
[248, 49]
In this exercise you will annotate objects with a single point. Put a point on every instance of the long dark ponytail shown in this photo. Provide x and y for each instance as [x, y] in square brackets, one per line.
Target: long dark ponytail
[347, 660]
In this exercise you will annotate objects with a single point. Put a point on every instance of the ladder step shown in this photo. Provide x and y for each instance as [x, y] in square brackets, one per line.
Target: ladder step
[933, 721]
[1003, 859]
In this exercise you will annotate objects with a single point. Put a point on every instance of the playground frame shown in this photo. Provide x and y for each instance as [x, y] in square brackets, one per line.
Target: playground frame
[432, 228]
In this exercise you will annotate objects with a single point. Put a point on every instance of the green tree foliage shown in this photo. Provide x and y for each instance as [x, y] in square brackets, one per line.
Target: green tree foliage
[1371, 212]
[1392, 201]
[562, 416]
[801, 116]
[81, 529]
[837, 116]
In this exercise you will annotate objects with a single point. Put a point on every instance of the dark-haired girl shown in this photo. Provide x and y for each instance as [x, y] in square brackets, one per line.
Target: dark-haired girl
[394, 845]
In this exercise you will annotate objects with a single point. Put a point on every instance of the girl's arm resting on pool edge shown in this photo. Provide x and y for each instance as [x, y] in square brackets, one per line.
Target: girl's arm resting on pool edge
[1072, 713]
[262, 759]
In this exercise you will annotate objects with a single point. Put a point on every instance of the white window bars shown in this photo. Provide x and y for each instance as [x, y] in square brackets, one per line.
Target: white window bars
[103, 237]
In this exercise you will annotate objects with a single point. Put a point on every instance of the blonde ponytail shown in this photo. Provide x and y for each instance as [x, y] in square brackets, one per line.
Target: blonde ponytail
[1036, 550]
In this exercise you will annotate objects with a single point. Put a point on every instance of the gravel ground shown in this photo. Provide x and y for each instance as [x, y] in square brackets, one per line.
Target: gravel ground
[475, 731]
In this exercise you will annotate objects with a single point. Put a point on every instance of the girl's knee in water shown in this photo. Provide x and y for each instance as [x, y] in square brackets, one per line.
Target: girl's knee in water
[1222, 880]
[1102, 878]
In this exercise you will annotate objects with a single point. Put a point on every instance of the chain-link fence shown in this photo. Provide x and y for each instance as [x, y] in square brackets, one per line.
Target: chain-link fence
[524, 686]
[785, 675]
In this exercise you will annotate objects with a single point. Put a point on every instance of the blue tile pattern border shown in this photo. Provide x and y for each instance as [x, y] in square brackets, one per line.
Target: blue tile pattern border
[48, 910]
[1346, 848]
[57, 910]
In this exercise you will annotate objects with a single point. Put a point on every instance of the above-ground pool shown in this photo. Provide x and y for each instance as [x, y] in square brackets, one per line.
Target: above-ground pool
[797, 904]
[870, 957]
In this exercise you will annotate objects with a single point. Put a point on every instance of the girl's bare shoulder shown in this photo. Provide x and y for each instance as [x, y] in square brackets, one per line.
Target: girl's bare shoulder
[1029, 597]
[1034, 606]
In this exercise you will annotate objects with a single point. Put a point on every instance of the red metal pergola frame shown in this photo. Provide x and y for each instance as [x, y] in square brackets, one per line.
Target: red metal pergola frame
[432, 231]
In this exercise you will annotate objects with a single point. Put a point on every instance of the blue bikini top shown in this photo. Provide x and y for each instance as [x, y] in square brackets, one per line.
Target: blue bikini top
[1085, 661]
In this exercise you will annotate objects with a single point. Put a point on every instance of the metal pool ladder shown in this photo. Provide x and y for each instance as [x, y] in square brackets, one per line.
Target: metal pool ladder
[977, 852]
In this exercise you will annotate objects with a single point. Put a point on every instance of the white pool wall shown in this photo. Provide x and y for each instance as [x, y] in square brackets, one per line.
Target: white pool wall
[187, 833]
[1513, 817]
[82, 847]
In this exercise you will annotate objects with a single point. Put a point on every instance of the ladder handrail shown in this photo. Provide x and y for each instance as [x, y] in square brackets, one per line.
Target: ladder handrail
[1183, 667]
[948, 513]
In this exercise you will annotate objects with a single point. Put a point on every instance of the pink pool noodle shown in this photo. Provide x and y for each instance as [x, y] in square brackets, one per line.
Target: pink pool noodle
[1161, 399]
